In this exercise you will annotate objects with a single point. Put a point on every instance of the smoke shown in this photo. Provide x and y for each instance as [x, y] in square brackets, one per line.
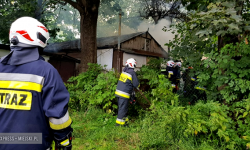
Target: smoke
[156, 31]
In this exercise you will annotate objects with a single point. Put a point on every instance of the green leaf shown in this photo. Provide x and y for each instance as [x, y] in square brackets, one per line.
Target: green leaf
[247, 28]
[245, 114]
[233, 26]
[228, 4]
[231, 11]
[237, 18]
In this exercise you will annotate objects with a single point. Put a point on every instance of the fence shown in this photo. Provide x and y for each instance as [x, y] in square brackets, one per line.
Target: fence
[188, 89]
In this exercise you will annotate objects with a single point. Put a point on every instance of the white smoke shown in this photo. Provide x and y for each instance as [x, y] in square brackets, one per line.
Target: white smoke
[156, 31]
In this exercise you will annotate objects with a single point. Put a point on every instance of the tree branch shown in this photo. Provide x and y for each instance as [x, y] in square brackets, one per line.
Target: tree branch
[76, 5]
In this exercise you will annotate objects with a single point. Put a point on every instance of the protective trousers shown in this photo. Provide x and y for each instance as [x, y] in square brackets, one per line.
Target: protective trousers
[122, 111]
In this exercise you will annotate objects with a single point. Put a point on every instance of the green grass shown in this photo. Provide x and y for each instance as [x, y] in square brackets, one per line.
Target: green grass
[96, 129]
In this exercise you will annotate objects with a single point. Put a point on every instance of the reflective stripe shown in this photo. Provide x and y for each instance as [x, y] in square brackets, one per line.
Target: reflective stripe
[65, 142]
[21, 85]
[173, 85]
[21, 81]
[58, 124]
[120, 121]
[200, 88]
[193, 79]
[22, 77]
[122, 94]
[129, 76]
[124, 76]
[170, 73]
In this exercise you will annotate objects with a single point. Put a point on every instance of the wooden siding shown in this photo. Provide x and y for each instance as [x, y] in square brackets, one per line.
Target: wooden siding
[139, 43]
[65, 68]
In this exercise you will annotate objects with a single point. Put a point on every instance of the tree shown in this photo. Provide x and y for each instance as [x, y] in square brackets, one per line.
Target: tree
[11, 10]
[221, 33]
[88, 10]
[159, 9]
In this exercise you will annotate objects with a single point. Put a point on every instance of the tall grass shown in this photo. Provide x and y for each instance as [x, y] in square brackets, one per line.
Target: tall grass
[96, 129]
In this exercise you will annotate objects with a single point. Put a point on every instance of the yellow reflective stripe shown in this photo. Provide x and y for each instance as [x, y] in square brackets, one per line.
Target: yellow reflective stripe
[200, 88]
[120, 121]
[65, 142]
[60, 126]
[21, 85]
[193, 79]
[20, 100]
[122, 95]
[126, 75]
[170, 73]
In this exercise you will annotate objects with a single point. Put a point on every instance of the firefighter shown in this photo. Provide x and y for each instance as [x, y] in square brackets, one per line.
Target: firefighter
[33, 98]
[199, 92]
[178, 74]
[171, 74]
[191, 88]
[125, 86]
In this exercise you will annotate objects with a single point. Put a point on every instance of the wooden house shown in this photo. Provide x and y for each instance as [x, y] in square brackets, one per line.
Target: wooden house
[140, 45]
[65, 56]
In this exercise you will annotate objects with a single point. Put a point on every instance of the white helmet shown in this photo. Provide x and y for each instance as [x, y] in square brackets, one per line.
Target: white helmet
[170, 63]
[27, 31]
[178, 64]
[131, 63]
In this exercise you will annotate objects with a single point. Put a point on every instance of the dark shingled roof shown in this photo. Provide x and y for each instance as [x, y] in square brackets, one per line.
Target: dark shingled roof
[102, 42]
[113, 40]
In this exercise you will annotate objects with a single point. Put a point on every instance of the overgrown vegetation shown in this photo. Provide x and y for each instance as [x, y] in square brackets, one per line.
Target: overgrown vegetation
[163, 124]
[215, 43]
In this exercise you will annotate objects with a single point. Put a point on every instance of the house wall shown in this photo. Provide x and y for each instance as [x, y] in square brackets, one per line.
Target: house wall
[4, 52]
[144, 42]
[65, 68]
[140, 60]
[104, 57]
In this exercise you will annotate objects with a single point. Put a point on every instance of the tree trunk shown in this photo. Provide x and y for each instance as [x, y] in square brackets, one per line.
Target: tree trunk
[88, 34]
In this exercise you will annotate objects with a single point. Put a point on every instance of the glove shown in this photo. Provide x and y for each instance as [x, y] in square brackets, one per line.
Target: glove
[64, 143]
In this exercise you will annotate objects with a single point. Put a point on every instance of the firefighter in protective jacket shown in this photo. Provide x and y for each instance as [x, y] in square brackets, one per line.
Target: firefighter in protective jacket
[127, 82]
[33, 98]
[171, 74]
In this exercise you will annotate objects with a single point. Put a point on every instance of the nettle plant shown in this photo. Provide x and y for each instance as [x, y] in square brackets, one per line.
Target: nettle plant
[94, 87]
[215, 43]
